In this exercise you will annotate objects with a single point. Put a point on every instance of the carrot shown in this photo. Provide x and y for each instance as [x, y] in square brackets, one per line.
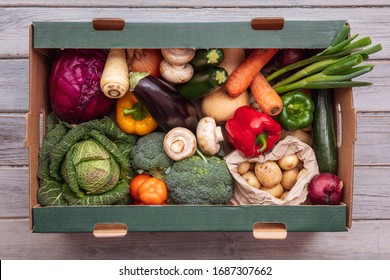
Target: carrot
[266, 97]
[241, 78]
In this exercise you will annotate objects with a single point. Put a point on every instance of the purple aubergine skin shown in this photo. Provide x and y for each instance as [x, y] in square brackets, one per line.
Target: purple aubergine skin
[167, 106]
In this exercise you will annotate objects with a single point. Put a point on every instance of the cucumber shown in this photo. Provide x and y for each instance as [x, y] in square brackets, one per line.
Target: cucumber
[203, 83]
[324, 132]
[205, 58]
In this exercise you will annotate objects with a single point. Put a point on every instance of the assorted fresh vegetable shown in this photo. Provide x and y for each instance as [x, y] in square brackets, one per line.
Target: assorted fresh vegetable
[244, 74]
[218, 104]
[167, 106]
[175, 67]
[174, 109]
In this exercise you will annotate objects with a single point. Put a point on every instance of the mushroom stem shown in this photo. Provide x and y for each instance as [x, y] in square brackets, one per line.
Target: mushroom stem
[179, 143]
[218, 134]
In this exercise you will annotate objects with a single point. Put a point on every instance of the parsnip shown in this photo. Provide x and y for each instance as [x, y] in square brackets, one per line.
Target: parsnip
[115, 78]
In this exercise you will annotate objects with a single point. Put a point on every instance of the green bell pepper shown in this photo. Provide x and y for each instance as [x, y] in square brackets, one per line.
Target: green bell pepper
[297, 111]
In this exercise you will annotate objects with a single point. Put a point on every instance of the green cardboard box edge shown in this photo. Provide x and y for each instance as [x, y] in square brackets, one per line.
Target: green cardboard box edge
[189, 218]
[296, 34]
[57, 35]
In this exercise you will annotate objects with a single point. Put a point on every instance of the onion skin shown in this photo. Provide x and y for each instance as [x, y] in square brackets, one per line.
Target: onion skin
[144, 60]
[325, 189]
[290, 56]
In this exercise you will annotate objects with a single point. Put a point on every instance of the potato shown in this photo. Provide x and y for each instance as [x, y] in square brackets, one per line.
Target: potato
[268, 173]
[289, 178]
[301, 172]
[276, 190]
[251, 179]
[288, 162]
[284, 195]
[243, 167]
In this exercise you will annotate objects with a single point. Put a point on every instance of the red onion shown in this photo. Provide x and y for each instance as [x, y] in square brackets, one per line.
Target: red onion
[326, 189]
[289, 56]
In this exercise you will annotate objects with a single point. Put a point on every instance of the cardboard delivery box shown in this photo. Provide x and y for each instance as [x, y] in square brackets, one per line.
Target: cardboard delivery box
[48, 37]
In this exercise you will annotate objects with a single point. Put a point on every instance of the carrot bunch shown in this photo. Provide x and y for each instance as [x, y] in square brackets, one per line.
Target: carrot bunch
[248, 75]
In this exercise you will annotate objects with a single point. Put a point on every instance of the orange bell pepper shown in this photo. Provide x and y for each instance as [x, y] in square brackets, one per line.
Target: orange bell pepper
[148, 190]
[132, 117]
[135, 183]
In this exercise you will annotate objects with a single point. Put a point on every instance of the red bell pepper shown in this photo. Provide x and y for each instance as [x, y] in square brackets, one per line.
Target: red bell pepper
[252, 132]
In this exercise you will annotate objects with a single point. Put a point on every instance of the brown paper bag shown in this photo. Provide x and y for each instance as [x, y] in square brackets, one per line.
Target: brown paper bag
[244, 194]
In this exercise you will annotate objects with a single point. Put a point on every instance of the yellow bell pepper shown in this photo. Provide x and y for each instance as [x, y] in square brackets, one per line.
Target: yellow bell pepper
[132, 117]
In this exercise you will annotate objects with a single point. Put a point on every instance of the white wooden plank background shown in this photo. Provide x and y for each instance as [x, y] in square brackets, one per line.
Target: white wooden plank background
[369, 237]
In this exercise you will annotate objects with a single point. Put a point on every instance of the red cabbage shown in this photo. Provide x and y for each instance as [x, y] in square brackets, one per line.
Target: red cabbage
[74, 84]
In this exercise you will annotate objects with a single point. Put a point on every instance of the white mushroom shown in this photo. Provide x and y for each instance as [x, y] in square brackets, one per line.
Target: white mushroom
[178, 56]
[209, 135]
[179, 143]
[175, 67]
[176, 74]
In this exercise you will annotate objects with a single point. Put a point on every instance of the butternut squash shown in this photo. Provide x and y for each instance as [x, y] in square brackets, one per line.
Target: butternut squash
[218, 104]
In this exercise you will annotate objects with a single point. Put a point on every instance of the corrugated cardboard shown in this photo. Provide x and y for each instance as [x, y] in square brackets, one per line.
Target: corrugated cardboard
[47, 37]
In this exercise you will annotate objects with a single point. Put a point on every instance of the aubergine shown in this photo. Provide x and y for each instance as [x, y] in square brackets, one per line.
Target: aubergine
[165, 104]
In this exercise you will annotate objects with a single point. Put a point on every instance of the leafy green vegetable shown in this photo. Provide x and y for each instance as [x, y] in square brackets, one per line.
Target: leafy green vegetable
[333, 67]
[84, 165]
[197, 181]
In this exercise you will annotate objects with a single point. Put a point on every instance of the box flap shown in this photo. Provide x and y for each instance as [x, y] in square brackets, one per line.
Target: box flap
[294, 34]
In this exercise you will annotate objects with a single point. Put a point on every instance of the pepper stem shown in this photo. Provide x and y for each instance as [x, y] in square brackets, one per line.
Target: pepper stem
[138, 112]
[262, 139]
[295, 109]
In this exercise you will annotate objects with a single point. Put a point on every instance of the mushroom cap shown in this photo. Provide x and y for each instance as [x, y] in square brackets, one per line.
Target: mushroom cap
[209, 135]
[180, 143]
[176, 74]
[178, 56]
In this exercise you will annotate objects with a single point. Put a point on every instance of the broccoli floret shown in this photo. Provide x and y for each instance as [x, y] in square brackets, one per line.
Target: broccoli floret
[195, 181]
[148, 155]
